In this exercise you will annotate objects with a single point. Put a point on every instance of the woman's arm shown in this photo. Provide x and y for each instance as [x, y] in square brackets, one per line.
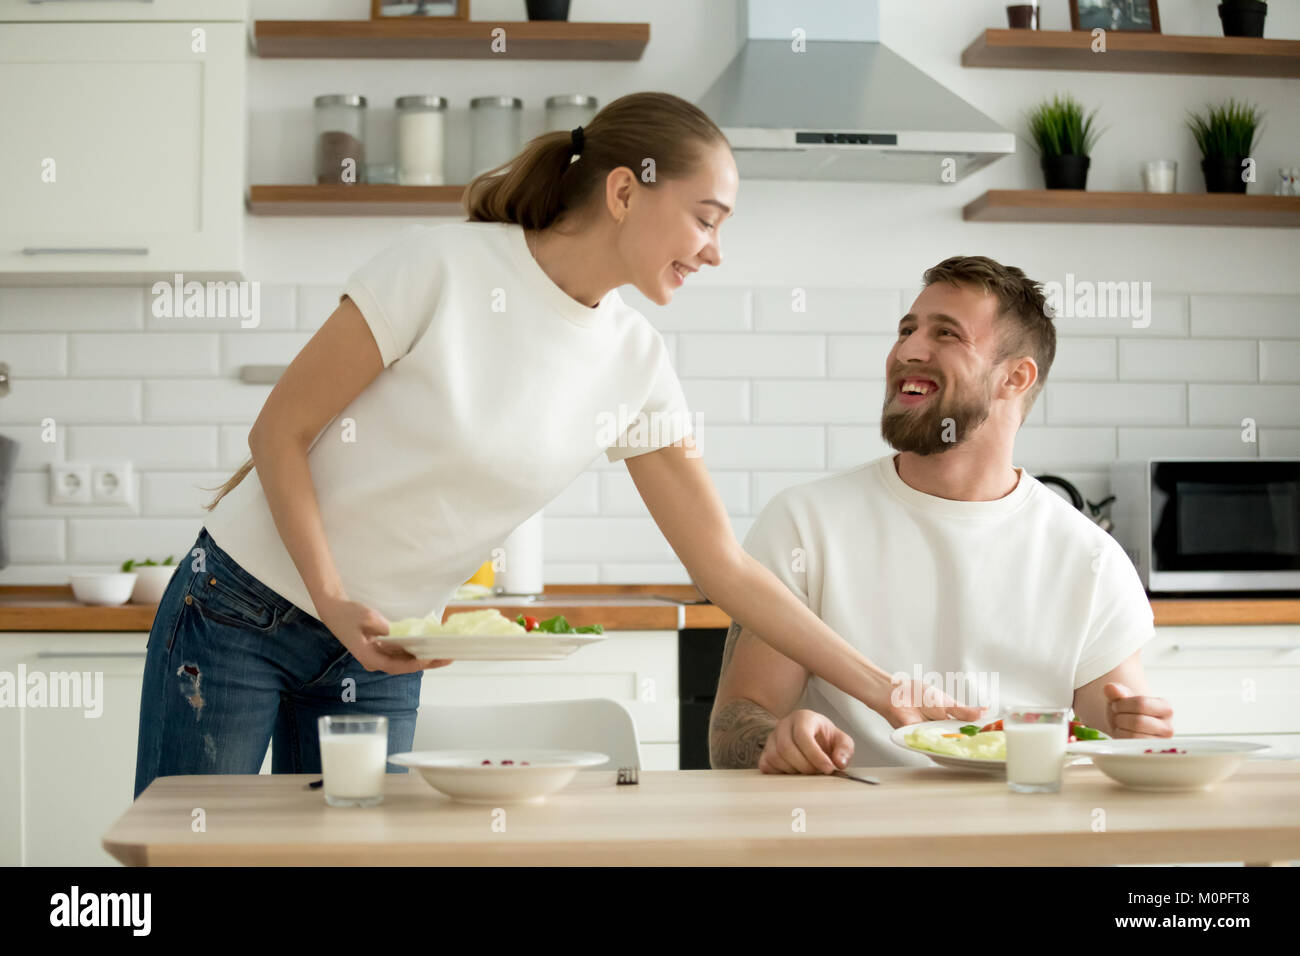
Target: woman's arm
[335, 365]
[685, 504]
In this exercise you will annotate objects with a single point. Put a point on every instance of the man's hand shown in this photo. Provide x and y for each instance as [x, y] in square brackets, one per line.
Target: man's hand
[1132, 715]
[804, 741]
[913, 701]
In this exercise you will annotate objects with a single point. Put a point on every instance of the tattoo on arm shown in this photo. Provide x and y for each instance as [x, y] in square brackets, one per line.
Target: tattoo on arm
[737, 734]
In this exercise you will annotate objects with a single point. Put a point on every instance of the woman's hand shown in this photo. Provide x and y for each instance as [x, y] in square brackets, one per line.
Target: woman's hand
[356, 626]
[913, 701]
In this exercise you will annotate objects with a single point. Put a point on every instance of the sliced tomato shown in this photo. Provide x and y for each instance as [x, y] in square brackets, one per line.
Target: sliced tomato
[530, 623]
[996, 725]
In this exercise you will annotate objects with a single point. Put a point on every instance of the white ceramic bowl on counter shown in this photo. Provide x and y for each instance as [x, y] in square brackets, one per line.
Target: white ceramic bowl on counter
[152, 582]
[107, 589]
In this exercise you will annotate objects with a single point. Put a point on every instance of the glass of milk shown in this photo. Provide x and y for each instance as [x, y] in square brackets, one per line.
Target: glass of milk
[353, 752]
[1035, 748]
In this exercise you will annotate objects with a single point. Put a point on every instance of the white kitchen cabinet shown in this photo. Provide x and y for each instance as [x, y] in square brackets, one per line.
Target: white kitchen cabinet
[143, 138]
[68, 776]
[1240, 680]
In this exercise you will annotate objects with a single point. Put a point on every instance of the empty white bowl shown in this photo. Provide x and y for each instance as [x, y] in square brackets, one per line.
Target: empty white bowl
[151, 582]
[108, 588]
[483, 776]
[1199, 764]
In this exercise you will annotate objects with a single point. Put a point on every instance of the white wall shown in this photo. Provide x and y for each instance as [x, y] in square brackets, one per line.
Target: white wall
[783, 400]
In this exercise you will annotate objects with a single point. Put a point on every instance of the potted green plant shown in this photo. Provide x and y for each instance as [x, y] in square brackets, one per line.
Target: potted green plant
[1226, 135]
[1243, 18]
[1064, 138]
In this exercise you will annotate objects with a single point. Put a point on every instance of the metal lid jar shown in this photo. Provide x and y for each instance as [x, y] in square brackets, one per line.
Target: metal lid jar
[420, 140]
[340, 138]
[494, 131]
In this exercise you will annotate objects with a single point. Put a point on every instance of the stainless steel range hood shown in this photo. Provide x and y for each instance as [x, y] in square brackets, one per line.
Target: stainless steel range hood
[842, 109]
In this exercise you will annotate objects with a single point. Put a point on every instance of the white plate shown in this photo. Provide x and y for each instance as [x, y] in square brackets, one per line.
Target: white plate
[1206, 762]
[960, 763]
[462, 775]
[533, 646]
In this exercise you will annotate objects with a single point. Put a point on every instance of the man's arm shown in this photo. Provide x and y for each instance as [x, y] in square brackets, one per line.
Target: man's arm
[1126, 709]
[757, 687]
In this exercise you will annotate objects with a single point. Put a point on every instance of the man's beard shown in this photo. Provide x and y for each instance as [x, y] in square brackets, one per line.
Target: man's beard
[934, 427]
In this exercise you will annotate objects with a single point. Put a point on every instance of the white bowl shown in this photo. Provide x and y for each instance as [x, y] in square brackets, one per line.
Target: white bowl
[152, 582]
[112, 588]
[463, 775]
[1201, 763]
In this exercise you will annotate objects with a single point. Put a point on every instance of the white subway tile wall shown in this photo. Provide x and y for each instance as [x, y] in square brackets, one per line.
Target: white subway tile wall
[787, 383]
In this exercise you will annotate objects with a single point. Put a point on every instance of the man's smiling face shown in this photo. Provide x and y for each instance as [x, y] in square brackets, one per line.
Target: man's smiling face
[941, 368]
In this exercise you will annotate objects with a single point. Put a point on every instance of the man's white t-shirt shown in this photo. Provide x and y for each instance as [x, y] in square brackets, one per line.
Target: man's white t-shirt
[498, 390]
[1020, 600]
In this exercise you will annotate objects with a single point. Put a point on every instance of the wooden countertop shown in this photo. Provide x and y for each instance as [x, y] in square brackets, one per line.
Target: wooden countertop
[641, 607]
[720, 817]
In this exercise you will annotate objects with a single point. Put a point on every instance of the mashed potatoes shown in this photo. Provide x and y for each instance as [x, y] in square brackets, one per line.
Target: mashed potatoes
[489, 623]
[991, 745]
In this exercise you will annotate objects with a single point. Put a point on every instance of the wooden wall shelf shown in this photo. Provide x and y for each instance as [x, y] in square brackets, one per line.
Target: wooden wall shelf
[1134, 53]
[1180, 209]
[403, 38]
[361, 199]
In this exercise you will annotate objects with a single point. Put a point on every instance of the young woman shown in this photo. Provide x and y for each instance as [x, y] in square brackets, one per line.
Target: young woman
[469, 374]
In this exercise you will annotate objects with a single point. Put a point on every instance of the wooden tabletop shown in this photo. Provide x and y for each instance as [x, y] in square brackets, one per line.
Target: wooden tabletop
[917, 816]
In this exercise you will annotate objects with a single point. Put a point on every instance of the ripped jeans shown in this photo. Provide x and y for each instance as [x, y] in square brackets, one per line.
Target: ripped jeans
[231, 665]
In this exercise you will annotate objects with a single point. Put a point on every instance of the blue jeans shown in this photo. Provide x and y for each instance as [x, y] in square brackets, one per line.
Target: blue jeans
[231, 665]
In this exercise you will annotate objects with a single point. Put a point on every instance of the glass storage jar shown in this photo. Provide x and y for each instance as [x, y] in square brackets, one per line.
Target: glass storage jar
[494, 131]
[340, 138]
[420, 133]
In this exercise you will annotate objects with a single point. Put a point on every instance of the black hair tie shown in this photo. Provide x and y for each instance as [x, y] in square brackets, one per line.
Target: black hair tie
[577, 139]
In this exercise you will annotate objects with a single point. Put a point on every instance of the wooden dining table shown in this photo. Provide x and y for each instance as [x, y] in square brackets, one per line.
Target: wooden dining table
[915, 816]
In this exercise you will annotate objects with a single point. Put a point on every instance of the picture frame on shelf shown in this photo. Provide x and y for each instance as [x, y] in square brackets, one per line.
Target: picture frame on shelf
[421, 9]
[1133, 16]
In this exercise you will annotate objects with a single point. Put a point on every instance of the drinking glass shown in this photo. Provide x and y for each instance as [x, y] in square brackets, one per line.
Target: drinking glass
[1035, 747]
[353, 752]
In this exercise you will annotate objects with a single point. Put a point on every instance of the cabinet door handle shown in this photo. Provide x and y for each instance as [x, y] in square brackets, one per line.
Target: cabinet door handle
[1280, 648]
[65, 655]
[86, 250]
[53, 1]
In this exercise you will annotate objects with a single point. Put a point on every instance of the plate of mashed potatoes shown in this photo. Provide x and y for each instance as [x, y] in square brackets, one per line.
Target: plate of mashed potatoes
[944, 742]
[486, 635]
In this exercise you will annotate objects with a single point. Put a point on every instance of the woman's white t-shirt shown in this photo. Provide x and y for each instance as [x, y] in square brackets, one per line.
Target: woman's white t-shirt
[498, 390]
[1018, 600]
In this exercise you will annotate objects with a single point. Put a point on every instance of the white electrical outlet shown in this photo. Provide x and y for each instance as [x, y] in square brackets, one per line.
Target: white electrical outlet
[110, 484]
[69, 483]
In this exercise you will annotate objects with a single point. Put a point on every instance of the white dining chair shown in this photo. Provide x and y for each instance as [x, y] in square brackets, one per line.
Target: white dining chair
[596, 724]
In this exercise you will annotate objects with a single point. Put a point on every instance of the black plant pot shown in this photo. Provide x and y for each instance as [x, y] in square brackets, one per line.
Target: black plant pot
[1243, 18]
[1223, 174]
[547, 9]
[1066, 171]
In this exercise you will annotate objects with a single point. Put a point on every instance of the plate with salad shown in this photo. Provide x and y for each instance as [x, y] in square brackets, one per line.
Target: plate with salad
[488, 635]
[962, 745]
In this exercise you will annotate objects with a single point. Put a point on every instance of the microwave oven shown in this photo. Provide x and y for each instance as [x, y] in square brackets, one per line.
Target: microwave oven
[1210, 524]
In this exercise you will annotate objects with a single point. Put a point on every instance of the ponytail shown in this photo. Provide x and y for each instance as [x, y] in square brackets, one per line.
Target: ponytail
[546, 180]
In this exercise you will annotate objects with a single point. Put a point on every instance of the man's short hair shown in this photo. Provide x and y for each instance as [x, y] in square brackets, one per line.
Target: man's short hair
[1027, 329]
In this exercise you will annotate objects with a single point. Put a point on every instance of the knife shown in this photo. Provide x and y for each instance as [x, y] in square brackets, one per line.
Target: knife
[849, 776]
